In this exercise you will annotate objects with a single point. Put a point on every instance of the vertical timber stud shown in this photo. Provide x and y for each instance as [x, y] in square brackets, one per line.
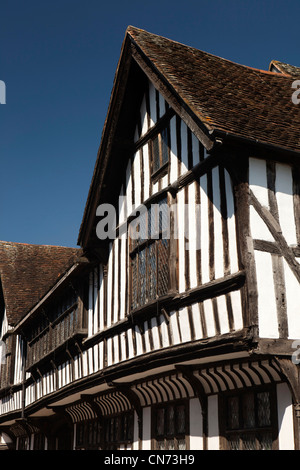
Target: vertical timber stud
[292, 375]
[238, 169]
[173, 253]
[135, 402]
[197, 387]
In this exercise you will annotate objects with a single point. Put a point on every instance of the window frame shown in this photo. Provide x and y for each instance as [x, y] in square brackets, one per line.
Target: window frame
[117, 442]
[134, 252]
[176, 436]
[83, 434]
[256, 431]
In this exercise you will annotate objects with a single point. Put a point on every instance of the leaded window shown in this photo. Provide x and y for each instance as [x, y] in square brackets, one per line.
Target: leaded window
[170, 426]
[118, 432]
[250, 420]
[88, 435]
[149, 254]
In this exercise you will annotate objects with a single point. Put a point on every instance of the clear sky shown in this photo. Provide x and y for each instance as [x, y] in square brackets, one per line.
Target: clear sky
[58, 59]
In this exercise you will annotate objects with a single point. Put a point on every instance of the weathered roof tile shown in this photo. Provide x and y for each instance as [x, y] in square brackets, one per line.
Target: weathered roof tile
[226, 96]
[28, 271]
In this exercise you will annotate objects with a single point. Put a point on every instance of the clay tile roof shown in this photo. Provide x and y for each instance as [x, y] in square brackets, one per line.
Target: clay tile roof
[27, 272]
[226, 96]
[287, 69]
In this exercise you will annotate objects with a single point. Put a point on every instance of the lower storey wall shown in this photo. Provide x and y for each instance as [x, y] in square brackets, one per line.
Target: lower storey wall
[203, 431]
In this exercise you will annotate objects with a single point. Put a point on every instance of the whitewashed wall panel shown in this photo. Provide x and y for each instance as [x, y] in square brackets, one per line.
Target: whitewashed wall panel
[207, 243]
[19, 357]
[198, 321]
[267, 310]
[11, 402]
[292, 287]
[284, 196]
[274, 217]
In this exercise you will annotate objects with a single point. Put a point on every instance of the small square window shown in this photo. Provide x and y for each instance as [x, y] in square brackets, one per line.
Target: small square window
[170, 426]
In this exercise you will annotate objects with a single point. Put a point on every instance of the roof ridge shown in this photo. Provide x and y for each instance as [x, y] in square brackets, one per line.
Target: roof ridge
[143, 31]
[4, 242]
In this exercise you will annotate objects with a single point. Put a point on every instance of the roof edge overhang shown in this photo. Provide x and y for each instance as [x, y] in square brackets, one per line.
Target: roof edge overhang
[72, 271]
[226, 136]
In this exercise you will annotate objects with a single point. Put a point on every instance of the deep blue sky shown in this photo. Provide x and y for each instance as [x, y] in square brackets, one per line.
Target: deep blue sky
[58, 59]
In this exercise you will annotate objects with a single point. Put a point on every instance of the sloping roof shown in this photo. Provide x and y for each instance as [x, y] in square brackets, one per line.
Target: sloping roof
[221, 97]
[281, 67]
[28, 271]
[226, 96]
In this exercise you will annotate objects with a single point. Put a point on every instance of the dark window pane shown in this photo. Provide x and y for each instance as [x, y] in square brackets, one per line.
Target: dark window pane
[180, 415]
[233, 413]
[160, 422]
[170, 420]
[248, 410]
[150, 260]
[164, 217]
[263, 409]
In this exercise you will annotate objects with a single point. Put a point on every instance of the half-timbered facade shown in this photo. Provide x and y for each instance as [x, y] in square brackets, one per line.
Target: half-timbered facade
[176, 323]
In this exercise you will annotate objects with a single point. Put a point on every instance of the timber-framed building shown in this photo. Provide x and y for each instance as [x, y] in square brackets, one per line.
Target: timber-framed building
[183, 340]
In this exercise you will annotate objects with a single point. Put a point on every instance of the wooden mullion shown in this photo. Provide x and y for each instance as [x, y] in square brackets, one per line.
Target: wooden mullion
[224, 216]
[173, 247]
[271, 177]
[211, 226]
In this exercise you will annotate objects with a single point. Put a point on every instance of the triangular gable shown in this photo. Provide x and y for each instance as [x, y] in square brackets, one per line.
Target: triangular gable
[215, 97]
[132, 76]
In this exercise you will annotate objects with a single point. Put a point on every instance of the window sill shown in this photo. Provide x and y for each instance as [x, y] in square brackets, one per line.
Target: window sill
[160, 302]
[162, 171]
